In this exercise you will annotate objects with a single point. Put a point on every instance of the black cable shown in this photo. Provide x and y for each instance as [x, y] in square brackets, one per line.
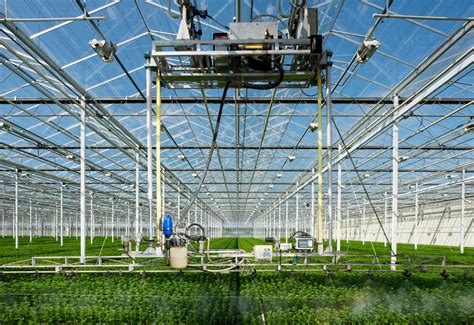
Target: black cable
[198, 226]
[211, 151]
[267, 86]
[217, 22]
[363, 186]
[298, 232]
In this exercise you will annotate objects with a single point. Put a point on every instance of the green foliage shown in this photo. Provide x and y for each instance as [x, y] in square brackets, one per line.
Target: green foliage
[203, 298]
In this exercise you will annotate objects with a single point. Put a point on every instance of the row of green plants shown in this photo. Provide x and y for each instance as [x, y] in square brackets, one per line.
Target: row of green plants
[313, 298]
[202, 298]
[166, 298]
[288, 297]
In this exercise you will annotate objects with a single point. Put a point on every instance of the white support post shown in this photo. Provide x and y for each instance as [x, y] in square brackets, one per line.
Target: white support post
[149, 124]
[179, 204]
[3, 223]
[385, 204]
[463, 212]
[92, 230]
[329, 156]
[61, 205]
[31, 222]
[113, 220]
[297, 214]
[339, 203]
[195, 213]
[200, 217]
[163, 212]
[347, 225]
[83, 181]
[127, 229]
[137, 200]
[15, 227]
[286, 221]
[415, 229]
[394, 189]
[279, 221]
[313, 228]
[363, 222]
[56, 223]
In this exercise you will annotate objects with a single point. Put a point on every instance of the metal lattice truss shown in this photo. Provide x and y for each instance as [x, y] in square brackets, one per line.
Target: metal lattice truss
[266, 151]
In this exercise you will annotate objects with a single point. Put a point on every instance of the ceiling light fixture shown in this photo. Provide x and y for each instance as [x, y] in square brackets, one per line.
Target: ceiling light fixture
[469, 127]
[366, 50]
[103, 49]
[5, 126]
[313, 126]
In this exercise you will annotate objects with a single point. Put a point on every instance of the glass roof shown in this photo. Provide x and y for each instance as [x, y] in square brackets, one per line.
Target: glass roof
[418, 60]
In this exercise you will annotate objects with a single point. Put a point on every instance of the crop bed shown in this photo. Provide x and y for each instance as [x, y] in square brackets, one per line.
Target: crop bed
[203, 298]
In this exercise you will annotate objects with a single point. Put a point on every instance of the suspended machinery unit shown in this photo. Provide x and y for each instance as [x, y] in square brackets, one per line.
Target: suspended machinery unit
[260, 54]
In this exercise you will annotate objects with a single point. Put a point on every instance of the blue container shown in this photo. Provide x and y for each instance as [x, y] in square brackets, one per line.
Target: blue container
[167, 225]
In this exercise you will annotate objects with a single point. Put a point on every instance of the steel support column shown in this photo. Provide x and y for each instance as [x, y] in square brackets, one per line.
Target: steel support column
[415, 227]
[339, 203]
[463, 212]
[61, 214]
[286, 221]
[137, 201]
[159, 205]
[150, 153]
[394, 188]
[15, 227]
[329, 156]
[320, 164]
[83, 182]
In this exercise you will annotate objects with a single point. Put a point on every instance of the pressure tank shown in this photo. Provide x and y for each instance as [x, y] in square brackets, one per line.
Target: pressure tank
[167, 225]
[179, 257]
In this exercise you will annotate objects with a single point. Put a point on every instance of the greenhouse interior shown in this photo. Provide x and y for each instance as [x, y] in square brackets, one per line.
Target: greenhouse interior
[237, 162]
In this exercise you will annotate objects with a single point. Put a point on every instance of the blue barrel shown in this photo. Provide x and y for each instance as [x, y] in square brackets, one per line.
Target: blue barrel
[167, 225]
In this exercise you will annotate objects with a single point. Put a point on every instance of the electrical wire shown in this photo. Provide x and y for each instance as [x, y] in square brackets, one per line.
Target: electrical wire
[269, 85]
[211, 151]
[217, 22]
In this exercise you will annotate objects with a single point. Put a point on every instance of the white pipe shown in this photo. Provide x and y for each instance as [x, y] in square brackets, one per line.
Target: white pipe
[347, 225]
[31, 222]
[423, 17]
[83, 181]
[286, 221]
[92, 230]
[137, 199]
[16, 210]
[279, 222]
[394, 187]
[297, 215]
[313, 234]
[339, 203]
[463, 211]
[329, 155]
[385, 218]
[41, 19]
[363, 229]
[415, 230]
[113, 220]
[179, 203]
[127, 229]
[61, 199]
[149, 150]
